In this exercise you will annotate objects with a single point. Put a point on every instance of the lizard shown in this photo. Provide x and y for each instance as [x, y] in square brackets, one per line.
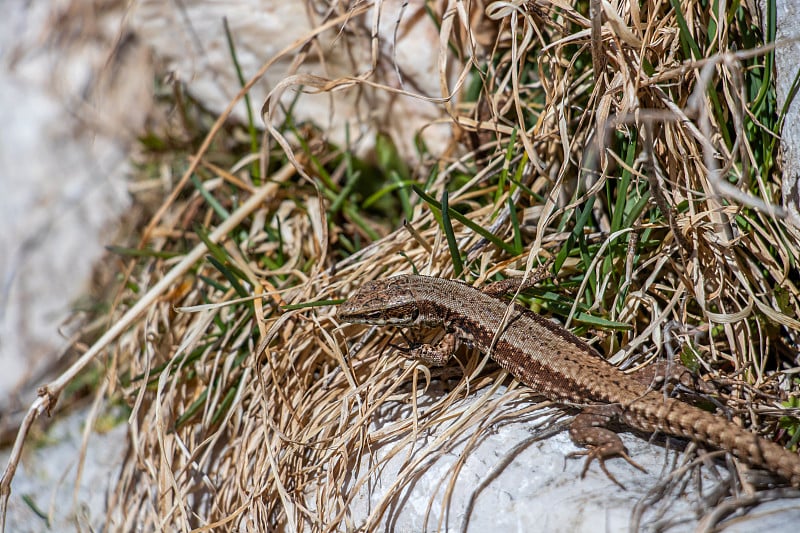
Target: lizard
[556, 364]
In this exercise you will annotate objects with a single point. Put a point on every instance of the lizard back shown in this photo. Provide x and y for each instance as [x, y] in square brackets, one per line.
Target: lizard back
[554, 362]
[536, 351]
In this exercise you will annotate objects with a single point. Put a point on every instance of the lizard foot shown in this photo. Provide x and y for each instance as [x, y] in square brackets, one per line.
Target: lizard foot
[601, 454]
[601, 443]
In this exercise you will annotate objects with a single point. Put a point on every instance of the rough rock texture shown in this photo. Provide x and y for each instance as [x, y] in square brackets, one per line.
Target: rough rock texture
[190, 38]
[74, 91]
[787, 59]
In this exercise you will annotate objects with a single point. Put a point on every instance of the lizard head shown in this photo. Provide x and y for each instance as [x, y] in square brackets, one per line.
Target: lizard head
[382, 302]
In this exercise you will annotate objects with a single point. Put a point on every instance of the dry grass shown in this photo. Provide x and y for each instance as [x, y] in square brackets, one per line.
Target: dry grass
[637, 153]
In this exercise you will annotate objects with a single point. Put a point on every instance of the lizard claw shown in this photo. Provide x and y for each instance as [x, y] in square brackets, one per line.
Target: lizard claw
[601, 454]
[405, 351]
[632, 462]
[409, 349]
[591, 455]
[587, 430]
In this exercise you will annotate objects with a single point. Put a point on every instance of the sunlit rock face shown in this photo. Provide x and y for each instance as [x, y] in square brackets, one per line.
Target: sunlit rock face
[351, 74]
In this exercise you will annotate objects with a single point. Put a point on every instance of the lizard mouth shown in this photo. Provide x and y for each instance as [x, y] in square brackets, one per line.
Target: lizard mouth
[378, 317]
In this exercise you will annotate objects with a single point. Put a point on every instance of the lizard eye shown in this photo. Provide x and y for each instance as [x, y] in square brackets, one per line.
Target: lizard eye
[374, 316]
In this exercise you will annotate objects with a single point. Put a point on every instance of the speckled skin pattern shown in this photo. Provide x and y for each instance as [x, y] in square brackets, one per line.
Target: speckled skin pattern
[556, 364]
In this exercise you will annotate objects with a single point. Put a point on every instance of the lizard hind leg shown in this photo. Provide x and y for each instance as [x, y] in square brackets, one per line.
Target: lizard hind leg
[587, 430]
[499, 289]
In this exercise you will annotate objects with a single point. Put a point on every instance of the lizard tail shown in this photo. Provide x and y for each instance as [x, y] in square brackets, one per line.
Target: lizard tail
[677, 418]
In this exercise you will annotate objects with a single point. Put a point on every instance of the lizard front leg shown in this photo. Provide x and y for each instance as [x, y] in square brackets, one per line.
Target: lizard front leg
[434, 354]
[588, 430]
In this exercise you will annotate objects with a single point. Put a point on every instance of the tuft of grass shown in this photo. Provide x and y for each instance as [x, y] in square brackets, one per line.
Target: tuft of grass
[617, 169]
[612, 176]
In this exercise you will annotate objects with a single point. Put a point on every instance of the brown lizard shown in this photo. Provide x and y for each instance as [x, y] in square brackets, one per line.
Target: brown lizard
[556, 364]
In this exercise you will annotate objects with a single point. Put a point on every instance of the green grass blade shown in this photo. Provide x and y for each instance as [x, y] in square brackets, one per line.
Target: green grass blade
[209, 198]
[464, 220]
[447, 227]
[251, 125]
